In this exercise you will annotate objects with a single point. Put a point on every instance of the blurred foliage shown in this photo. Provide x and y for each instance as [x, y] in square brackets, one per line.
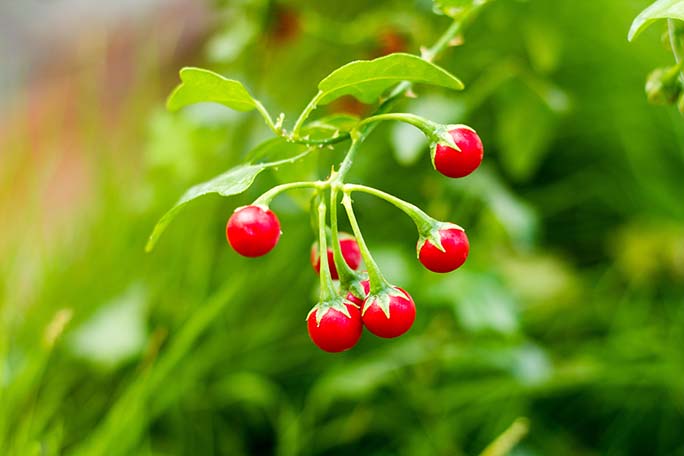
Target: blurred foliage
[568, 313]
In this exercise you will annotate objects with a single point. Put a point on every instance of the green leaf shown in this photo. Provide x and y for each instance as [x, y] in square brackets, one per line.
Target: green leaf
[232, 182]
[662, 9]
[201, 85]
[366, 80]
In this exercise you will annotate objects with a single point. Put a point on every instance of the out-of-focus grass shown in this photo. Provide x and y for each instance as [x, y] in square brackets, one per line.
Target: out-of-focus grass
[568, 312]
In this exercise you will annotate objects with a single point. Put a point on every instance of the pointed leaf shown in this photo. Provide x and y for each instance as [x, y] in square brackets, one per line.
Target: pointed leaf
[232, 182]
[662, 9]
[368, 79]
[201, 85]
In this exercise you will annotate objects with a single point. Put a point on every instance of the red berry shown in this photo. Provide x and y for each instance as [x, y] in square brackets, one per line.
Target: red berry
[354, 299]
[456, 247]
[402, 312]
[253, 230]
[335, 332]
[350, 253]
[453, 163]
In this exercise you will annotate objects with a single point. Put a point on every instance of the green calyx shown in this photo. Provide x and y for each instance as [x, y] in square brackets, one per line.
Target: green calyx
[442, 136]
[382, 298]
[663, 85]
[433, 235]
[354, 286]
[680, 103]
[337, 303]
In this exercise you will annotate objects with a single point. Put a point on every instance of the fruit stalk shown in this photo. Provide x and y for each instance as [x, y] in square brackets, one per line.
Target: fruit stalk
[377, 280]
[424, 223]
[328, 292]
[345, 273]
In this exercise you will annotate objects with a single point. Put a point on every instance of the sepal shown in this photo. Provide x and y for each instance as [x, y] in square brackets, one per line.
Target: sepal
[663, 85]
[434, 236]
[322, 308]
[382, 299]
[355, 287]
[441, 136]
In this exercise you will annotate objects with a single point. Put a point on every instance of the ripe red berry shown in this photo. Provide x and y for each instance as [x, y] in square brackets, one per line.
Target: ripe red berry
[402, 311]
[335, 332]
[456, 247]
[350, 253]
[453, 163]
[253, 230]
[354, 299]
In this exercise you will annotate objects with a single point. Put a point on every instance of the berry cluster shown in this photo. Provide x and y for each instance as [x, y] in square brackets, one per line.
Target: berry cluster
[365, 299]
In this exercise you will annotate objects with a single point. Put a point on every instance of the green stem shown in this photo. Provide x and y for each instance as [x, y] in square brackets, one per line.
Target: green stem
[267, 117]
[443, 41]
[424, 125]
[345, 273]
[319, 142]
[423, 222]
[377, 280]
[348, 160]
[266, 198]
[676, 44]
[305, 114]
[286, 161]
[328, 292]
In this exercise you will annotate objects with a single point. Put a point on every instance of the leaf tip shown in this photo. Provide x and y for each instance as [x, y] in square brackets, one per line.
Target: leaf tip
[171, 102]
[633, 32]
[185, 71]
[151, 242]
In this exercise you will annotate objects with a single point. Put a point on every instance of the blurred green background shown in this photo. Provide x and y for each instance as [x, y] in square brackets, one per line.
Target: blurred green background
[567, 319]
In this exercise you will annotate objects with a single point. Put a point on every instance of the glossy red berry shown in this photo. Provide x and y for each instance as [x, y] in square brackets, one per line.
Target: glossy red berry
[253, 230]
[456, 247]
[335, 332]
[453, 163]
[402, 313]
[350, 253]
